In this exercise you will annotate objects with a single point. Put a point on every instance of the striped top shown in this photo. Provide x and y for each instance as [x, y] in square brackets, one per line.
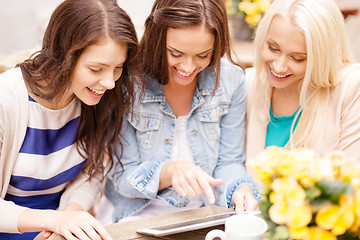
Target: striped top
[47, 160]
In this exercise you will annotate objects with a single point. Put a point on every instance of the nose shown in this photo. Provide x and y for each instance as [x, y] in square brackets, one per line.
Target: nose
[108, 81]
[188, 65]
[280, 65]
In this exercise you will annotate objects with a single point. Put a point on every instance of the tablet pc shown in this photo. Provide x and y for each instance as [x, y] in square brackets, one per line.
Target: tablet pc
[188, 225]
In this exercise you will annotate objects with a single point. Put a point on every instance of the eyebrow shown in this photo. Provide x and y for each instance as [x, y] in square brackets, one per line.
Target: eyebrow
[174, 49]
[104, 64]
[270, 41]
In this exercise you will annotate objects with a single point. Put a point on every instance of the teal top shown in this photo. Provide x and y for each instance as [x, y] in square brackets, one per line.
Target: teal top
[278, 130]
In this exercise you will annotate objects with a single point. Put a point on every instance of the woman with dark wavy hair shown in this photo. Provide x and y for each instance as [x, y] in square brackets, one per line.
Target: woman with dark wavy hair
[185, 135]
[60, 120]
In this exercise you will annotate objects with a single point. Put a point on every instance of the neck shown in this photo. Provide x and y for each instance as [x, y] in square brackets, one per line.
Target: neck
[179, 97]
[284, 103]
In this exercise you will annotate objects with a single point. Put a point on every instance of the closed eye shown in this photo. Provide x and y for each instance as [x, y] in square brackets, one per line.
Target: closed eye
[203, 56]
[95, 70]
[174, 54]
[272, 48]
[298, 59]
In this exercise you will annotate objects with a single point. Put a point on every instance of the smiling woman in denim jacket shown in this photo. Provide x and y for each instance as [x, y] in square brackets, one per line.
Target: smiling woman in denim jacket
[186, 132]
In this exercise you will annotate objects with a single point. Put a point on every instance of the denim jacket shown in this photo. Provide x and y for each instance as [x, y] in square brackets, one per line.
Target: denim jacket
[215, 130]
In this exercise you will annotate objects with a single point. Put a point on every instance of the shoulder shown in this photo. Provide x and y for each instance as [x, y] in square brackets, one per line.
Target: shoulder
[226, 66]
[249, 77]
[349, 80]
[13, 92]
[11, 81]
[231, 75]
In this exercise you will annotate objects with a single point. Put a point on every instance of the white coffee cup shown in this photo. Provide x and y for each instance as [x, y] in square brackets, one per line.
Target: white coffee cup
[240, 227]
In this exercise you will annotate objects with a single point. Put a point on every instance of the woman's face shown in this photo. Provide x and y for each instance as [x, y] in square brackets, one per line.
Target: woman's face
[189, 51]
[97, 69]
[284, 54]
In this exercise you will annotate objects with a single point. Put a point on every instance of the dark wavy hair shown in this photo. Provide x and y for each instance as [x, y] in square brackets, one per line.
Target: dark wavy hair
[75, 25]
[178, 14]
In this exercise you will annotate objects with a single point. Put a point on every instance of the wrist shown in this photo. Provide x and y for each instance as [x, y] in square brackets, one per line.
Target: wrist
[73, 206]
[245, 187]
[34, 220]
[165, 176]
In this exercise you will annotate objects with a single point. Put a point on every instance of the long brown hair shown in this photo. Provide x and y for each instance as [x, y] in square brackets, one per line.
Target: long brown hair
[75, 25]
[178, 14]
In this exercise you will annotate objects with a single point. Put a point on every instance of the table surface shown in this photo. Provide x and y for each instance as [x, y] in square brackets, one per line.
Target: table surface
[127, 230]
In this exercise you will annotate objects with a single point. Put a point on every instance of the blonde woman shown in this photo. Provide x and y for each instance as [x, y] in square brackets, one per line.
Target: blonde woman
[304, 89]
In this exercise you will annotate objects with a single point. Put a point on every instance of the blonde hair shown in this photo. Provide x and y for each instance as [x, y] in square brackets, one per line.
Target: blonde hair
[328, 51]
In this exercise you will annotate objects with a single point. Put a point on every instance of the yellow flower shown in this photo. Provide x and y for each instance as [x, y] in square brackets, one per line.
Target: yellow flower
[321, 168]
[247, 7]
[278, 212]
[294, 179]
[298, 233]
[357, 203]
[299, 216]
[289, 205]
[327, 216]
[253, 10]
[337, 218]
[356, 226]
[288, 190]
[316, 233]
[264, 164]
[263, 5]
[253, 19]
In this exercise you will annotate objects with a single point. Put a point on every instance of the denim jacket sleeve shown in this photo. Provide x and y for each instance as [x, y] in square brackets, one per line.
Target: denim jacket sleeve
[231, 160]
[135, 179]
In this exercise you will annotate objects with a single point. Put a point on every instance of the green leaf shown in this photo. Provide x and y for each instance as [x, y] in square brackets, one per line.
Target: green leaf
[264, 206]
[312, 193]
[332, 189]
[281, 232]
[348, 236]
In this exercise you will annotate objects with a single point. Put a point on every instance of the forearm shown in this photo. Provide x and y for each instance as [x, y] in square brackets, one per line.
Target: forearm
[10, 213]
[33, 220]
[71, 224]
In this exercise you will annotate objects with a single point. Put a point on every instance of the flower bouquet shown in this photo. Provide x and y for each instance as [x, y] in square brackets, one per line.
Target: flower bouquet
[251, 10]
[307, 196]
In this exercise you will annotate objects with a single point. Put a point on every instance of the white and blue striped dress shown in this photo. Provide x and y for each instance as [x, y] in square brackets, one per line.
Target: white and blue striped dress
[48, 159]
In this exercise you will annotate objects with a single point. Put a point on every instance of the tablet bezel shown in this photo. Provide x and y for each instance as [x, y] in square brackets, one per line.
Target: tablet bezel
[187, 225]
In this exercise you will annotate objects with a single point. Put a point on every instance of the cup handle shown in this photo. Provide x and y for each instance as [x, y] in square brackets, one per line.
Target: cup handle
[216, 233]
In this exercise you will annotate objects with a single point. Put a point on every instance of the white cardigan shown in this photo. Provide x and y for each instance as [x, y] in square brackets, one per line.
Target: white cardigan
[14, 116]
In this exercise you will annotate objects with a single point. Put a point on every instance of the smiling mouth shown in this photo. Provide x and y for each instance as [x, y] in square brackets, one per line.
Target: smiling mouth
[183, 74]
[96, 92]
[278, 75]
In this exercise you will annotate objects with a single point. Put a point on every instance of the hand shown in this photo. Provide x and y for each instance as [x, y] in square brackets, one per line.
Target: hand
[41, 236]
[187, 179]
[74, 225]
[244, 199]
[45, 235]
